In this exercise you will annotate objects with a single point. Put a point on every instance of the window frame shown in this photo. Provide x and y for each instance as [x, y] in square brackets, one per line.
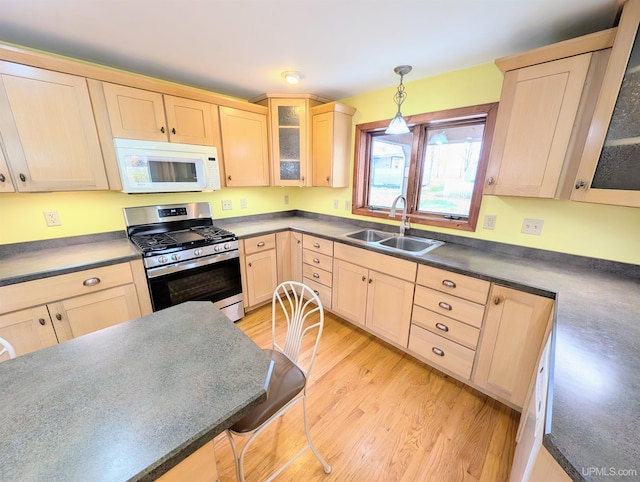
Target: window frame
[420, 123]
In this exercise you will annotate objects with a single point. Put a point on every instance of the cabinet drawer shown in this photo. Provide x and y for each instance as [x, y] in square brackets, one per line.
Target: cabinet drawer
[450, 306]
[396, 267]
[47, 290]
[320, 275]
[456, 284]
[446, 327]
[319, 245]
[442, 352]
[323, 292]
[318, 260]
[259, 243]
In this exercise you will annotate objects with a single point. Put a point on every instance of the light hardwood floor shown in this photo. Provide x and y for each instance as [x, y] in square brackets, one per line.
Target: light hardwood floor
[377, 414]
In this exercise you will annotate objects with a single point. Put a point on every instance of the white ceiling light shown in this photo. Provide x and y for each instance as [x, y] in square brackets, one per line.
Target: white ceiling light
[292, 76]
[398, 125]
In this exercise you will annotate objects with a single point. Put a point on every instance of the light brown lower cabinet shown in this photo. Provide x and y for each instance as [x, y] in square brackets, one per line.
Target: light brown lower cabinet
[198, 467]
[259, 269]
[40, 313]
[514, 329]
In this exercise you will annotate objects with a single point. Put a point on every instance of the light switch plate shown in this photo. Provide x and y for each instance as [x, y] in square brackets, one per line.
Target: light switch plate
[489, 221]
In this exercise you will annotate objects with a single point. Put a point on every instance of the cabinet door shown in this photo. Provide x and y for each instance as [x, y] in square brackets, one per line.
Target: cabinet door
[189, 121]
[331, 146]
[135, 113]
[349, 297]
[289, 141]
[389, 303]
[49, 133]
[5, 179]
[538, 108]
[262, 276]
[609, 171]
[322, 151]
[28, 330]
[284, 255]
[91, 312]
[245, 147]
[296, 256]
[512, 337]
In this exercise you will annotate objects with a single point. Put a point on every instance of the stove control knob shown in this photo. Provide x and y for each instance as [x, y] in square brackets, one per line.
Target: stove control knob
[217, 247]
[175, 257]
[197, 252]
[227, 246]
[162, 259]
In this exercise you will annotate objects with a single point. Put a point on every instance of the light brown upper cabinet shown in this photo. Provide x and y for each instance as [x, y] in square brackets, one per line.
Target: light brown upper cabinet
[48, 131]
[547, 100]
[609, 171]
[331, 126]
[245, 151]
[142, 114]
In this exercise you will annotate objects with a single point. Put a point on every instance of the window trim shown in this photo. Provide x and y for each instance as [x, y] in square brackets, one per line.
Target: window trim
[362, 168]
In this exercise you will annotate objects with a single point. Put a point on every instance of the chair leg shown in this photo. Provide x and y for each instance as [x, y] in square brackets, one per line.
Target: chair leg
[325, 465]
[236, 459]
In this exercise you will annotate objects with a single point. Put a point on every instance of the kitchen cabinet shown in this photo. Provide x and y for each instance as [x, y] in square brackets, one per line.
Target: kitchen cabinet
[374, 291]
[512, 337]
[547, 469]
[200, 466]
[548, 98]
[289, 255]
[43, 312]
[260, 269]
[448, 312]
[317, 266]
[245, 151]
[331, 126]
[5, 178]
[142, 114]
[609, 172]
[48, 131]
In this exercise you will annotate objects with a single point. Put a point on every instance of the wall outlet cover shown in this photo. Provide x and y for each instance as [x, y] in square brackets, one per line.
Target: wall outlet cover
[227, 204]
[243, 203]
[489, 221]
[52, 218]
[286, 199]
[532, 226]
[336, 203]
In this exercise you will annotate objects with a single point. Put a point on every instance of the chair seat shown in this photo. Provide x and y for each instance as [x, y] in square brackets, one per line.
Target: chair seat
[287, 380]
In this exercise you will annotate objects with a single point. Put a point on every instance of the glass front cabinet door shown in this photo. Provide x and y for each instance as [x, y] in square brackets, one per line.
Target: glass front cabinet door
[609, 170]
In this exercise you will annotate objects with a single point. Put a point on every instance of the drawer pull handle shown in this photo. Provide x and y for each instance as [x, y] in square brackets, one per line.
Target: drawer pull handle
[490, 181]
[497, 300]
[316, 245]
[260, 244]
[316, 260]
[173, 130]
[448, 283]
[437, 351]
[445, 306]
[91, 281]
[2, 178]
[58, 316]
[316, 292]
[162, 129]
[442, 327]
[22, 177]
[41, 321]
[316, 275]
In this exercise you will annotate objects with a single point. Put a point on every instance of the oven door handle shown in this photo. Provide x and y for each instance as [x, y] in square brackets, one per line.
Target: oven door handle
[192, 263]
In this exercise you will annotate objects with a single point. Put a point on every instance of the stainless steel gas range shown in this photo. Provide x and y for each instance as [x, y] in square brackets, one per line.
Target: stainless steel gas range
[186, 257]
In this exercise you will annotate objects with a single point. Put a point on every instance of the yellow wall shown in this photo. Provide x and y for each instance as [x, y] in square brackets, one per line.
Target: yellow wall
[600, 231]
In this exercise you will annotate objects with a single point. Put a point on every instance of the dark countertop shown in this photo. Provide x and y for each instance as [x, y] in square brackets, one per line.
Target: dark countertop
[594, 407]
[130, 401]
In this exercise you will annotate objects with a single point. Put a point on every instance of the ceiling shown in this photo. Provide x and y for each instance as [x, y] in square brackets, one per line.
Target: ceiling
[341, 47]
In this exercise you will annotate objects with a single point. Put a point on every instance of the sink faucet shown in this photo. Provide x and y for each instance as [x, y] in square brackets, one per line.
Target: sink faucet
[404, 222]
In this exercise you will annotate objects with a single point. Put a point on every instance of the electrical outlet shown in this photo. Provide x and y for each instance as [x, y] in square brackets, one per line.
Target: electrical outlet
[336, 204]
[532, 226]
[489, 221]
[347, 205]
[286, 199]
[52, 218]
[227, 204]
[243, 203]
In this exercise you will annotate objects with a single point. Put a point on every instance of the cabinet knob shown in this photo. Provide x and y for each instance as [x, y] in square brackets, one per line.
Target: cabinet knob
[580, 184]
[228, 178]
[316, 292]
[41, 321]
[316, 275]
[364, 278]
[328, 178]
[437, 351]
[302, 178]
[490, 180]
[162, 129]
[2, 178]
[173, 130]
[448, 283]
[260, 244]
[497, 300]
[249, 265]
[316, 245]
[22, 177]
[445, 306]
[91, 281]
[316, 260]
[370, 280]
[58, 316]
[442, 327]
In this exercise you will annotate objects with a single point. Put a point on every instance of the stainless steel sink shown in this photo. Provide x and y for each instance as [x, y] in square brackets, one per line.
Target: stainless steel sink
[370, 235]
[411, 244]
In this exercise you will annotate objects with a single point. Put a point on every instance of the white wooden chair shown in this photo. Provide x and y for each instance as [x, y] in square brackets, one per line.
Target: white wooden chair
[304, 315]
[6, 350]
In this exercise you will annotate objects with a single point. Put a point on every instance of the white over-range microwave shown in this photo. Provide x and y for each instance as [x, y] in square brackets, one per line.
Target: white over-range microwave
[148, 166]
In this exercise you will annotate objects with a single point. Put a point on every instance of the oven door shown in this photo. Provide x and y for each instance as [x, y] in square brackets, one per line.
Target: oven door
[213, 278]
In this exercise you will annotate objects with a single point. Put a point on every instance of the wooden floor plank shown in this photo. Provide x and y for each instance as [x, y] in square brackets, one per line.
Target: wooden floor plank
[378, 414]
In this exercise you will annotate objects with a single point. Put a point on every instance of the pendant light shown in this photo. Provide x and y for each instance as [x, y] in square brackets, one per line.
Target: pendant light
[398, 125]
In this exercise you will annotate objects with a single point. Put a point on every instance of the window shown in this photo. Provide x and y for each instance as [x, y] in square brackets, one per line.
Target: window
[435, 166]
